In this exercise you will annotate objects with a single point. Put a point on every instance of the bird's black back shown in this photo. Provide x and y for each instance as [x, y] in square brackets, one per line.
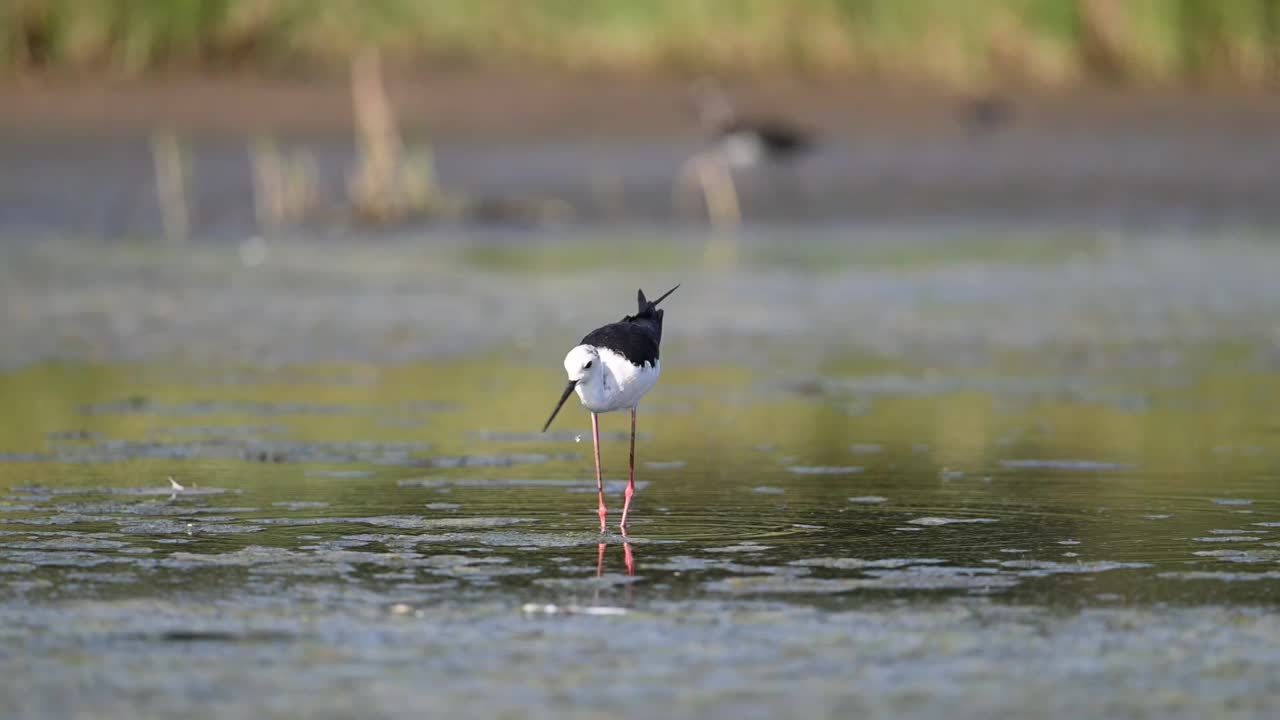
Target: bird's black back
[635, 337]
[637, 342]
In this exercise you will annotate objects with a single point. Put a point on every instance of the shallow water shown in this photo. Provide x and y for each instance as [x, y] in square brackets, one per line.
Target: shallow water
[1045, 482]
[1096, 176]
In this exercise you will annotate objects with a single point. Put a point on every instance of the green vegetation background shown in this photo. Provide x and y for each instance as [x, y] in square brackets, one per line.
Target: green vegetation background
[1047, 42]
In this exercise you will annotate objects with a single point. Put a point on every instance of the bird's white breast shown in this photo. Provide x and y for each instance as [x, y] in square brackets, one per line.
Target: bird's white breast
[619, 385]
[743, 148]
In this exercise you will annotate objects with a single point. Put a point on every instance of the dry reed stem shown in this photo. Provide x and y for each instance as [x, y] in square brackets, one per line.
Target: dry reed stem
[710, 174]
[171, 185]
[376, 188]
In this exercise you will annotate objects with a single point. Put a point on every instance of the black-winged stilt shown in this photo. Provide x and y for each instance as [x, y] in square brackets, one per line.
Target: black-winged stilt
[611, 369]
[738, 142]
[742, 141]
[987, 113]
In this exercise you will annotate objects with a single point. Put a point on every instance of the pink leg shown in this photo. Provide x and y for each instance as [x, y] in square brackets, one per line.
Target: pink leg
[595, 441]
[631, 474]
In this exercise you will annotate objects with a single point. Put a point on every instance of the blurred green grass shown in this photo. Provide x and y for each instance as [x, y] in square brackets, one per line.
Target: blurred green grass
[963, 43]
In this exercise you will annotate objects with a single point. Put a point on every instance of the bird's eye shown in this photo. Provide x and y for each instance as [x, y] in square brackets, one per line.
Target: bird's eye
[588, 365]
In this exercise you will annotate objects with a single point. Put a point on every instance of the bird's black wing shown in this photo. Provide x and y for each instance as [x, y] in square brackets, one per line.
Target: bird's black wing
[785, 139]
[779, 138]
[636, 339]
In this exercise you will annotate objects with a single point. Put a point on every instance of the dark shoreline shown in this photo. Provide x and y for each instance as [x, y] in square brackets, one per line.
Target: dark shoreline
[485, 104]
[611, 149]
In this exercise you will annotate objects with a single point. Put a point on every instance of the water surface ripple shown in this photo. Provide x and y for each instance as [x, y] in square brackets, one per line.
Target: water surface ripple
[1059, 520]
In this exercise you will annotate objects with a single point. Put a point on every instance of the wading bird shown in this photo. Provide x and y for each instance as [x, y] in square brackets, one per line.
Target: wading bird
[611, 369]
[737, 143]
[743, 141]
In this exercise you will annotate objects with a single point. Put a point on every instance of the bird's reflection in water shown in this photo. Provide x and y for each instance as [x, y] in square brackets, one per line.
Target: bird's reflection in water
[628, 559]
[629, 562]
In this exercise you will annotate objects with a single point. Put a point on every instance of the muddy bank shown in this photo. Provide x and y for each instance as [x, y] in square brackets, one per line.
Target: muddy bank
[492, 104]
[77, 157]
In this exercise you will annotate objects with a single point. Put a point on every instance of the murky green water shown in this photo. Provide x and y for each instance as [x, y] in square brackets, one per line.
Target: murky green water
[890, 489]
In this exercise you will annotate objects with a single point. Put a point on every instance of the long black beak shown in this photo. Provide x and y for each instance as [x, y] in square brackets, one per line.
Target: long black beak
[664, 295]
[565, 396]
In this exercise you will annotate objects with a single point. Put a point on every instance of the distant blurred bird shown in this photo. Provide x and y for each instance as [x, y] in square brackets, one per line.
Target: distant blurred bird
[738, 142]
[743, 141]
[987, 112]
[612, 368]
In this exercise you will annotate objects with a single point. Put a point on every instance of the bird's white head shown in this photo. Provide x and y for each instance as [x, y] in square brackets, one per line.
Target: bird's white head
[582, 364]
